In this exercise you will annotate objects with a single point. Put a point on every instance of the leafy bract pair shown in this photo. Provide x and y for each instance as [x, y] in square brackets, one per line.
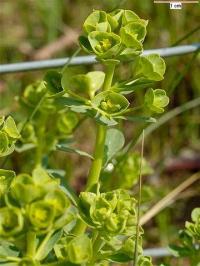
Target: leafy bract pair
[117, 35]
[9, 134]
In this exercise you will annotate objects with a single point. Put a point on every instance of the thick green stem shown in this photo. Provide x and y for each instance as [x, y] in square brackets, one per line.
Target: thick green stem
[31, 244]
[96, 166]
[95, 169]
[109, 70]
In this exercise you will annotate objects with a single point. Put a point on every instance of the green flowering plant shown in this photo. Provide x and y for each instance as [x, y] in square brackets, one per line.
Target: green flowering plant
[189, 239]
[42, 221]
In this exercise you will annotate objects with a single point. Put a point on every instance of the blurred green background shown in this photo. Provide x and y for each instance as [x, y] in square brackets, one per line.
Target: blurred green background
[35, 29]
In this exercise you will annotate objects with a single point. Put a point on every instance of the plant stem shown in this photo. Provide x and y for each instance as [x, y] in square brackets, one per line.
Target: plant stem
[96, 166]
[138, 205]
[98, 242]
[95, 169]
[9, 258]
[109, 71]
[30, 244]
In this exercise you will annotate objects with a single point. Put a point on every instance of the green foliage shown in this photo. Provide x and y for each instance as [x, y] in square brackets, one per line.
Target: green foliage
[156, 100]
[9, 134]
[44, 221]
[189, 240]
[111, 212]
[129, 168]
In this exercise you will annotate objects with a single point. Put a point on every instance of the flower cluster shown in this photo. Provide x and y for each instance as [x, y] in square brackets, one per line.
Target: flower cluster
[9, 134]
[189, 240]
[111, 213]
[33, 203]
[193, 228]
[116, 35]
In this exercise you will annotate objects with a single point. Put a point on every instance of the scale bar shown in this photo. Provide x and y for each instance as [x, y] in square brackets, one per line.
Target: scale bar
[171, 1]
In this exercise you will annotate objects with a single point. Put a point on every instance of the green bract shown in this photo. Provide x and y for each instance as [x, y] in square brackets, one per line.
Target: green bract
[145, 261]
[194, 228]
[189, 240]
[110, 103]
[11, 221]
[151, 67]
[79, 249]
[97, 21]
[6, 177]
[9, 134]
[83, 84]
[156, 100]
[53, 83]
[24, 185]
[67, 122]
[34, 92]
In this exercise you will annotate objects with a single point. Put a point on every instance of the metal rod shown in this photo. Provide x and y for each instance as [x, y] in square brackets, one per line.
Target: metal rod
[157, 252]
[84, 60]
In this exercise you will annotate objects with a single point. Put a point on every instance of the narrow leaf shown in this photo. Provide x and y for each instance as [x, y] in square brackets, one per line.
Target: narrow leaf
[66, 148]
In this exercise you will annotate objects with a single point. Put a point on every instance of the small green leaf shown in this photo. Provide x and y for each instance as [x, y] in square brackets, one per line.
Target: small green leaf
[96, 79]
[142, 119]
[97, 21]
[50, 244]
[119, 257]
[156, 100]
[53, 82]
[129, 86]
[129, 16]
[11, 129]
[7, 250]
[85, 44]
[196, 215]
[4, 142]
[6, 177]
[66, 148]
[2, 119]
[114, 142]
[80, 249]
[8, 151]
[151, 67]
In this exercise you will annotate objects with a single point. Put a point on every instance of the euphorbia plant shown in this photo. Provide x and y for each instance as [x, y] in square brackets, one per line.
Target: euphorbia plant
[41, 221]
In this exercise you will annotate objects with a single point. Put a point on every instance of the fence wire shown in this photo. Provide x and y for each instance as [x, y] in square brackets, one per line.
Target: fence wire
[85, 60]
